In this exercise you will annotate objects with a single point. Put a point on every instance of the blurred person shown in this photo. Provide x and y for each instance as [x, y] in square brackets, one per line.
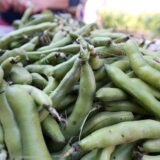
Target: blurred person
[13, 9]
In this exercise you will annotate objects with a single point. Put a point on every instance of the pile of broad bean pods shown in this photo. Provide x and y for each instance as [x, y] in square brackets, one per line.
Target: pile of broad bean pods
[70, 91]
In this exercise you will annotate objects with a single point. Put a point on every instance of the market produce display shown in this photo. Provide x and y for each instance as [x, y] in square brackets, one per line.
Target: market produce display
[70, 91]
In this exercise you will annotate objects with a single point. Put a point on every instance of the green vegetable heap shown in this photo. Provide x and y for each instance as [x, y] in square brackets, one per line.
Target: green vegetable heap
[70, 91]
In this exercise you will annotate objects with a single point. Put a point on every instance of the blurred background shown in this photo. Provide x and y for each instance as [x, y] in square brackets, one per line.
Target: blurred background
[139, 17]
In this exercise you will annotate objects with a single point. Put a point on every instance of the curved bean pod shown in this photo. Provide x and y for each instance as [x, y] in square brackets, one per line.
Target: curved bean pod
[104, 119]
[93, 155]
[101, 41]
[68, 39]
[58, 36]
[39, 96]
[13, 53]
[38, 80]
[147, 87]
[69, 49]
[106, 153]
[111, 94]
[84, 101]
[10, 128]
[123, 64]
[19, 75]
[121, 133]
[151, 146]
[24, 108]
[66, 84]
[146, 157]
[109, 51]
[30, 46]
[123, 152]
[1, 136]
[52, 129]
[8, 64]
[129, 106]
[145, 98]
[52, 84]
[41, 99]
[47, 70]
[58, 71]
[141, 68]
[4, 41]
[52, 58]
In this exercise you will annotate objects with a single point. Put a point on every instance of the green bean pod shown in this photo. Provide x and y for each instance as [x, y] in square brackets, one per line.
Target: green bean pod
[58, 36]
[110, 60]
[46, 70]
[8, 64]
[147, 87]
[141, 68]
[106, 153]
[1, 136]
[100, 74]
[43, 101]
[69, 49]
[146, 157]
[96, 62]
[38, 96]
[68, 39]
[51, 85]
[145, 98]
[129, 106]
[61, 43]
[104, 119]
[111, 94]
[110, 34]
[10, 128]
[53, 58]
[147, 52]
[17, 43]
[27, 14]
[151, 146]
[120, 133]
[66, 102]
[13, 53]
[61, 69]
[20, 23]
[19, 75]
[66, 84]
[121, 39]
[101, 31]
[1, 75]
[10, 37]
[52, 129]
[24, 109]
[30, 46]
[123, 64]
[123, 152]
[100, 41]
[110, 51]
[92, 155]
[84, 101]
[58, 71]
[152, 62]
[38, 80]
[40, 19]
